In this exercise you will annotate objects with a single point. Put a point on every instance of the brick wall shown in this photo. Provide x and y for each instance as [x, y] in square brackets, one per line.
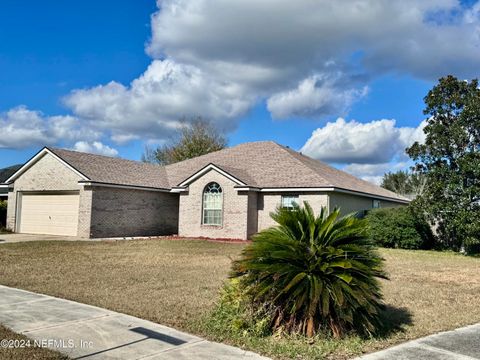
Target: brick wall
[252, 222]
[85, 212]
[235, 210]
[125, 212]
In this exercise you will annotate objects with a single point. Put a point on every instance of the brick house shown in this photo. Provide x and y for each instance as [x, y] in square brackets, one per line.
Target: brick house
[225, 194]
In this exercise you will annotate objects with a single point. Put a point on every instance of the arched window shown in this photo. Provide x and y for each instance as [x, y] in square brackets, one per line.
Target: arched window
[212, 204]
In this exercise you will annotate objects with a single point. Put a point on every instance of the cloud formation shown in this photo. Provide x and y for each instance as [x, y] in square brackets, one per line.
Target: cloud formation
[375, 142]
[22, 127]
[374, 172]
[155, 103]
[314, 98]
[307, 59]
[95, 147]
[367, 149]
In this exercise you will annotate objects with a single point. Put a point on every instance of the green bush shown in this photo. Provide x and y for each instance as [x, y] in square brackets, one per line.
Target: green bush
[400, 227]
[311, 273]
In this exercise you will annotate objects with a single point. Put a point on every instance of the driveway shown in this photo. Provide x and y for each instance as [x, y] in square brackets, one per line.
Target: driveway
[13, 238]
[87, 332]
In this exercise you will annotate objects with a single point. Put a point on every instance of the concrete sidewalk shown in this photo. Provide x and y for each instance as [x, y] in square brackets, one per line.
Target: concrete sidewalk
[459, 344]
[88, 332]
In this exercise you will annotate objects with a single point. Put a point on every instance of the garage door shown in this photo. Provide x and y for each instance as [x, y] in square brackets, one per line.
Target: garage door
[53, 214]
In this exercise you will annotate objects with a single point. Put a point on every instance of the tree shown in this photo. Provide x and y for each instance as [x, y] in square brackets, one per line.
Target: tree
[450, 160]
[198, 138]
[312, 272]
[396, 182]
[405, 183]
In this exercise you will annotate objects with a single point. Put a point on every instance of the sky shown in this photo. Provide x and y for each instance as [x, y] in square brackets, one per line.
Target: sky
[343, 82]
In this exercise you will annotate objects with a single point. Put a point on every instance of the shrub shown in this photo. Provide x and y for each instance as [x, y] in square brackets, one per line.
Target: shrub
[400, 227]
[313, 272]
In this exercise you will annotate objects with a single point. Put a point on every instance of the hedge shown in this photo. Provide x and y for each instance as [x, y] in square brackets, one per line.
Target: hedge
[400, 227]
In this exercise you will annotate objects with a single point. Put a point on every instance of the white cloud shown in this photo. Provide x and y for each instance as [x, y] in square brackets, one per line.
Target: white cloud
[22, 127]
[155, 103]
[368, 150]
[306, 59]
[374, 172]
[315, 97]
[295, 42]
[95, 147]
[374, 142]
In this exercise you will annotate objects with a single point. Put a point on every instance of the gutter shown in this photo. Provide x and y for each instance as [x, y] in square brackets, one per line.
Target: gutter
[322, 189]
[120, 186]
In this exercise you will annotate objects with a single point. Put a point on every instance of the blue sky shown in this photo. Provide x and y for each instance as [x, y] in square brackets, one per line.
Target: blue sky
[66, 73]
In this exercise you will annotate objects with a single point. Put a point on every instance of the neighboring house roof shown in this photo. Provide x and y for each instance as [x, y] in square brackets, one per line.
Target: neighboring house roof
[264, 165]
[5, 173]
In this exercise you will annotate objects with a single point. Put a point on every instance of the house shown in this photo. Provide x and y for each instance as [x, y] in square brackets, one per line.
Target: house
[225, 194]
[5, 173]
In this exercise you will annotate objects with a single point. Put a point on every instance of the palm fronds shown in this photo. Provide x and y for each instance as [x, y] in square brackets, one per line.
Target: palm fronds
[313, 272]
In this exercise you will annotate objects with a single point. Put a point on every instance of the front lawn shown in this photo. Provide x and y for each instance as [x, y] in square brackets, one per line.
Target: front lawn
[176, 283]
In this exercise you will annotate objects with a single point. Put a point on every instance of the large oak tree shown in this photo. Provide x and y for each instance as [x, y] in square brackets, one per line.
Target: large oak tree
[450, 159]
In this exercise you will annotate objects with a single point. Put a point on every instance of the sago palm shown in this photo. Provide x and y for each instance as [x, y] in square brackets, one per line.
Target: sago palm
[311, 272]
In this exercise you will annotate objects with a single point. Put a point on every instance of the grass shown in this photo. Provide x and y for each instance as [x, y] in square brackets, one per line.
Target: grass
[25, 353]
[176, 283]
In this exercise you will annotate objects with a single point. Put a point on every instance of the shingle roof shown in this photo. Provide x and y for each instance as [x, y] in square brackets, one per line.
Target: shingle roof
[270, 165]
[114, 170]
[263, 164]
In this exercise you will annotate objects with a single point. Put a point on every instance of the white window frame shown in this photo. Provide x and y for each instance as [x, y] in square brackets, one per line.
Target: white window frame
[376, 204]
[288, 200]
[212, 202]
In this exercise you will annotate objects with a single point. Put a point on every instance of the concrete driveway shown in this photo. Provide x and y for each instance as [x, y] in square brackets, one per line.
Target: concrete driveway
[87, 332]
[13, 238]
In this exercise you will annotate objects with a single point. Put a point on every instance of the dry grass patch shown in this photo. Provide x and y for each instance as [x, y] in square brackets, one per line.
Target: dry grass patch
[176, 283]
[160, 280]
[439, 289]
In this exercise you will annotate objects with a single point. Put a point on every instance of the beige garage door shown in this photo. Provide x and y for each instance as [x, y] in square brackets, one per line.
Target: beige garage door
[53, 214]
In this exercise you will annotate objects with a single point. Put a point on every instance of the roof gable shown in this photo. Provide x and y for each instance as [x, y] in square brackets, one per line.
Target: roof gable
[108, 170]
[36, 158]
[227, 173]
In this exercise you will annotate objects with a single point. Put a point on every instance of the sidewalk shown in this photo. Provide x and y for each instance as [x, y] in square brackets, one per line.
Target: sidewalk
[459, 344]
[88, 332]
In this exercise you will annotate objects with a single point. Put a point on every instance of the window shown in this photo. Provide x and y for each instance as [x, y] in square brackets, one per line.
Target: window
[212, 204]
[289, 200]
[376, 204]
